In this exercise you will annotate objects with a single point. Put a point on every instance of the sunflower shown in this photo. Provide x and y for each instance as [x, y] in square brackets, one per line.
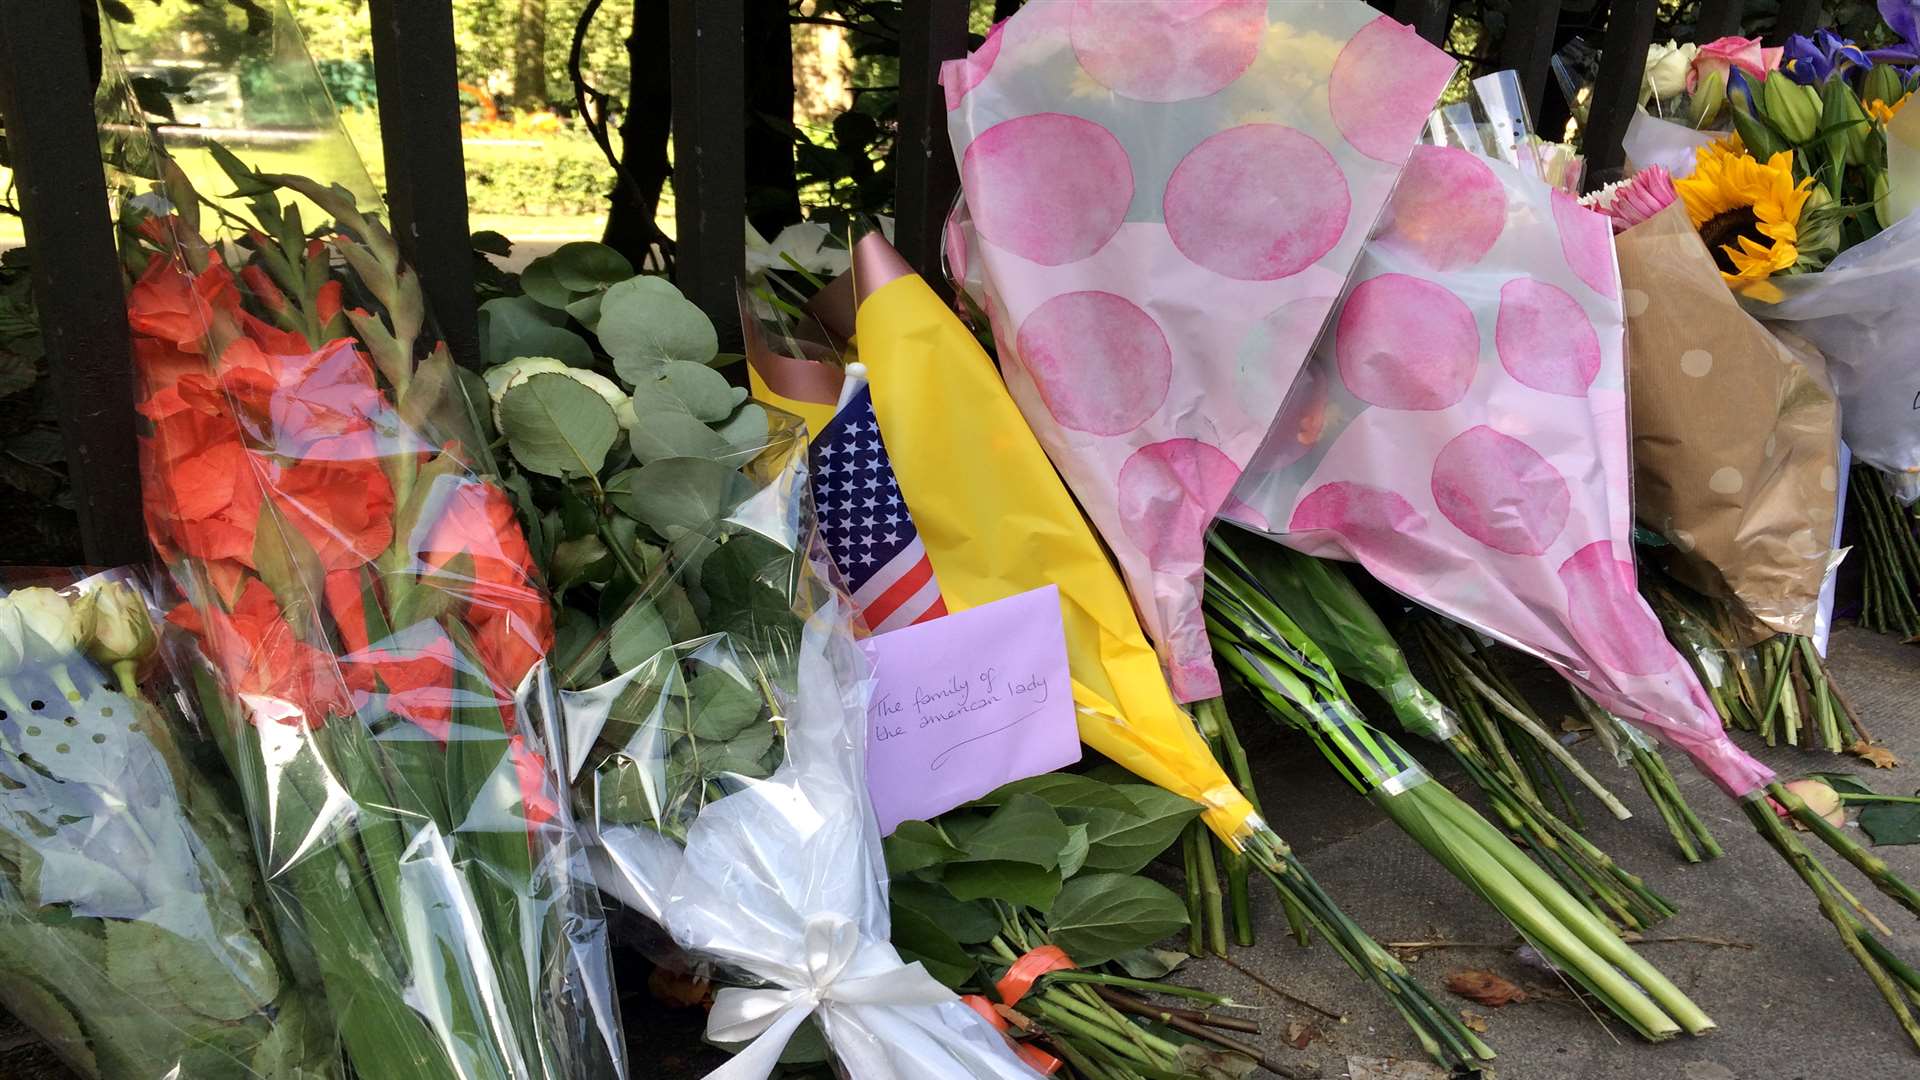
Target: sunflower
[1747, 211]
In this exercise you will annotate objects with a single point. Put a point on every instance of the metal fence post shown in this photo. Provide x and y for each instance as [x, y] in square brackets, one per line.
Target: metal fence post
[1429, 18]
[1528, 47]
[1616, 89]
[417, 76]
[709, 156]
[1717, 19]
[931, 32]
[47, 96]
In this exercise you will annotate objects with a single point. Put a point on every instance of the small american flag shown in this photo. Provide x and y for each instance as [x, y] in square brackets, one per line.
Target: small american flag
[866, 524]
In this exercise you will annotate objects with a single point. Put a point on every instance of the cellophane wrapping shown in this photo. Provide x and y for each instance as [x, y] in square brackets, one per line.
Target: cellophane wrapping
[1465, 440]
[136, 936]
[1168, 198]
[722, 779]
[368, 629]
[1859, 313]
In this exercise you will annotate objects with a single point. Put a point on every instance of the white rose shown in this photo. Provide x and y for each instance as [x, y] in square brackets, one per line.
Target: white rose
[1667, 67]
[13, 638]
[52, 626]
[117, 624]
[503, 377]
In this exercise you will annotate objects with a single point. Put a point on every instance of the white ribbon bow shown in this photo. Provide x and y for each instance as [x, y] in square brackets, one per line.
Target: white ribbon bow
[770, 1017]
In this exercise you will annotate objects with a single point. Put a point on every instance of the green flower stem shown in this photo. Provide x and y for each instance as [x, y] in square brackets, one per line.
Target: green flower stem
[1874, 867]
[1190, 841]
[1854, 796]
[1098, 978]
[1853, 935]
[1550, 744]
[1210, 896]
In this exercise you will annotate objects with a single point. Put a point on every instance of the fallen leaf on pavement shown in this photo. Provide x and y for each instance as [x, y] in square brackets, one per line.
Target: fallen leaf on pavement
[1300, 1033]
[1483, 987]
[1474, 1021]
[1378, 1068]
[1877, 756]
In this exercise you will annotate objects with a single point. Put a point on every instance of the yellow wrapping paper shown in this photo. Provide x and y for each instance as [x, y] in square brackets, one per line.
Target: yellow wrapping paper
[996, 520]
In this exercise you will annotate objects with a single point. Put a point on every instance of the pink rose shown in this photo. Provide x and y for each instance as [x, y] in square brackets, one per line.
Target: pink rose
[1716, 57]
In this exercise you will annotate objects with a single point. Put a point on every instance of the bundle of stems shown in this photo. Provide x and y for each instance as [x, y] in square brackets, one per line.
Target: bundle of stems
[1290, 674]
[1309, 909]
[1779, 689]
[1888, 540]
[1103, 1027]
[1490, 698]
[1325, 604]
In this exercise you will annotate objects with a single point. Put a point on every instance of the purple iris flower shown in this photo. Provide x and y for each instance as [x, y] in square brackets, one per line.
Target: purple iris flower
[1812, 61]
[1903, 18]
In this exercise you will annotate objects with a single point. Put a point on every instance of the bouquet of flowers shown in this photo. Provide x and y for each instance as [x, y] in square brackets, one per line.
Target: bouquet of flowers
[1485, 475]
[135, 934]
[1157, 300]
[369, 624]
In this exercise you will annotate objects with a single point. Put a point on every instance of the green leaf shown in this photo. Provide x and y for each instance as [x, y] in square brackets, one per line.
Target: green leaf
[701, 389]
[1025, 830]
[48, 1017]
[503, 321]
[1061, 789]
[744, 753]
[585, 266]
[1151, 963]
[638, 635]
[671, 433]
[916, 845]
[645, 322]
[684, 492]
[576, 643]
[557, 427]
[921, 938]
[539, 282]
[151, 963]
[749, 583]
[551, 341]
[723, 704]
[1891, 823]
[808, 1045]
[1074, 855]
[969, 924]
[1842, 781]
[747, 430]
[1123, 843]
[489, 242]
[1100, 916]
[586, 310]
[1016, 883]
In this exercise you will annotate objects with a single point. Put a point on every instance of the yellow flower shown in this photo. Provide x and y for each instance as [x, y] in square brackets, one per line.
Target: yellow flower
[1747, 211]
[1884, 113]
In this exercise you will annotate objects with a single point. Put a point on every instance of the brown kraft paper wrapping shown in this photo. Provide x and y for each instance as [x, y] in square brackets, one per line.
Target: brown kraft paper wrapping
[1735, 433]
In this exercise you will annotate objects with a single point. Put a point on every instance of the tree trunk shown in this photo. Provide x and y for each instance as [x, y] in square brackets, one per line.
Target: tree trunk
[773, 189]
[645, 131]
[530, 56]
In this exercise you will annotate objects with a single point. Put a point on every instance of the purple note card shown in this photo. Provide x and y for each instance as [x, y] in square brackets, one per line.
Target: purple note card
[966, 703]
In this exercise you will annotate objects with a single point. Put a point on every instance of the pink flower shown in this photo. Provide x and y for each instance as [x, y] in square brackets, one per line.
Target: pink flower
[1717, 57]
[1636, 199]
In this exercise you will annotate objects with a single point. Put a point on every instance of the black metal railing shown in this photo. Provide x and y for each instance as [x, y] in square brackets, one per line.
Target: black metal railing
[47, 74]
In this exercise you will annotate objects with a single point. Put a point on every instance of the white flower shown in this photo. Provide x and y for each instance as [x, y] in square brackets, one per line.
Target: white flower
[13, 638]
[503, 377]
[117, 626]
[1667, 67]
[52, 628]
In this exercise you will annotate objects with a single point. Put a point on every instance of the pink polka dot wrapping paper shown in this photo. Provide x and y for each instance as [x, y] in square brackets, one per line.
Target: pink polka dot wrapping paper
[1461, 432]
[1166, 197]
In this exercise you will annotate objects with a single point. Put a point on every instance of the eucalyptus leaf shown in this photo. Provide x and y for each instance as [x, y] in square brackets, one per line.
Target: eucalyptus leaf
[504, 320]
[1100, 916]
[668, 434]
[644, 321]
[586, 311]
[539, 282]
[747, 430]
[551, 341]
[688, 493]
[584, 266]
[557, 427]
[724, 704]
[701, 389]
[637, 636]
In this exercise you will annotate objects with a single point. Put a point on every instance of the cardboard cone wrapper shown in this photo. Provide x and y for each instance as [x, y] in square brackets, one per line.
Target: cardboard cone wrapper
[1464, 437]
[1168, 198]
[1736, 434]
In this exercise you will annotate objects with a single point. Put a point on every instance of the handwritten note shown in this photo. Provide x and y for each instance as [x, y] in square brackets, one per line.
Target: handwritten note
[965, 703]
